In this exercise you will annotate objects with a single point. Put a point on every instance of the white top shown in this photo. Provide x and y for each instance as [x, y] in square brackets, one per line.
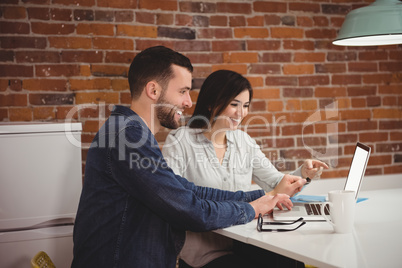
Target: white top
[191, 155]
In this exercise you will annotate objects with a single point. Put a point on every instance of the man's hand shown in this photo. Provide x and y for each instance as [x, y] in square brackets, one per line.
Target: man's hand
[312, 168]
[289, 185]
[267, 203]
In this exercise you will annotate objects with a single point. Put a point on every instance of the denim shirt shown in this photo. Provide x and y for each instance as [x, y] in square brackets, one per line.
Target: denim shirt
[134, 210]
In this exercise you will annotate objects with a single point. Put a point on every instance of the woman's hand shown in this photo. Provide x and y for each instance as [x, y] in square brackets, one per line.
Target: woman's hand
[267, 203]
[312, 168]
[289, 185]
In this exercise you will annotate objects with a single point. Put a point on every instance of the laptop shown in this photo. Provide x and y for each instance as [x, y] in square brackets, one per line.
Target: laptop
[311, 211]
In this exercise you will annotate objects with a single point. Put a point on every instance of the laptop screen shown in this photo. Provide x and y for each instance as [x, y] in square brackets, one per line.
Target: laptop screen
[357, 168]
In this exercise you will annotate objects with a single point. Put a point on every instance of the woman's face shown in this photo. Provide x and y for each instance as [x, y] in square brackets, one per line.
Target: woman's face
[234, 113]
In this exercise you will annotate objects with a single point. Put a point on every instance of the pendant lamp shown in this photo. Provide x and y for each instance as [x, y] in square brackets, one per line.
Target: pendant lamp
[377, 24]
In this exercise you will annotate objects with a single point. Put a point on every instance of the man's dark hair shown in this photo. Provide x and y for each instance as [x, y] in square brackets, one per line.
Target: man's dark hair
[216, 93]
[154, 63]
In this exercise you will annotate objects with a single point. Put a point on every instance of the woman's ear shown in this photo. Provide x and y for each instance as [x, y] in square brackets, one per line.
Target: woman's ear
[152, 90]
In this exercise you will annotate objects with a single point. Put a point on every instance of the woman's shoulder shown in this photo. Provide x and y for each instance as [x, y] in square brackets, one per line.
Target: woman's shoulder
[184, 133]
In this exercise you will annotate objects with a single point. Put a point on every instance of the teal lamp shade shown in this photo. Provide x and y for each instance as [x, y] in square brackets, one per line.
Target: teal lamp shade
[377, 24]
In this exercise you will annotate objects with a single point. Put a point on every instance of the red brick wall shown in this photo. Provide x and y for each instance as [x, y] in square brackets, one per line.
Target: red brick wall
[312, 99]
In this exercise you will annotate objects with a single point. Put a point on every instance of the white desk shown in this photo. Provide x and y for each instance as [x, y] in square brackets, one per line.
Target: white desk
[375, 242]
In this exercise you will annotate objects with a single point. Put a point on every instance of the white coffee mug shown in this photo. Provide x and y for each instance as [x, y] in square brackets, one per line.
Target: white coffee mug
[342, 206]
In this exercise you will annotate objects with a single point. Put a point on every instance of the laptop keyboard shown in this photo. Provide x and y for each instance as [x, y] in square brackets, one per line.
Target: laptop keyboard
[315, 209]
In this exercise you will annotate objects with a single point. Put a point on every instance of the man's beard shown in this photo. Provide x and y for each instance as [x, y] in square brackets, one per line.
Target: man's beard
[166, 113]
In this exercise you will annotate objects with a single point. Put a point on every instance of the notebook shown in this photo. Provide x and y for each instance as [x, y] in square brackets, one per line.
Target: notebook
[311, 211]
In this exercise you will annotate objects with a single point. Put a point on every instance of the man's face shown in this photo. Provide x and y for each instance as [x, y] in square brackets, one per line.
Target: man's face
[175, 98]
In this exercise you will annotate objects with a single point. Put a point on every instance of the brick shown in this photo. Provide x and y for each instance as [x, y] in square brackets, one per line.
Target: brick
[239, 8]
[57, 70]
[390, 124]
[145, 17]
[13, 100]
[7, 55]
[128, 4]
[269, 7]
[81, 56]
[52, 28]
[373, 55]
[120, 84]
[218, 21]
[85, 70]
[113, 43]
[51, 99]
[205, 57]
[261, 68]
[219, 33]
[239, 68]
[321, 21]
[37, 56]
[292, 105]
[158, 4]
[90, 84]
[295, 153]
[281, 81]
[341, 56]
[87, 3]
[298, 69]
[14, 27]
[387, 113]
[298, 45]
[180, 33]
[330, 68]
[367, 137]
[304, 21]
[251, 32]
[346, 79]
[137, 31]
[288, 20]
[355, 114]
[343, 138]
[83, 15]
[390, 66]
[395, 136]
[95, 29]
[324, 92]
[11, 42]
[197, 7]
[38, 13]
[317, 80]
[275, 106]
[276, 57]
[109, 70]
[240, 57]
[119, 57]
[362, 67]
[335, 9]
[14, 12]
[237, 21]
[305, 7]
[373, 101]
[272, 20]
[258, 106]
[20, 114]
[124, 16]
[45, 84]
[192, 45]
[16, 71]
[44, 113]
[255, 21]
[390, 89]
[380, 160]
[228, 45]
[263, 45]
[297, 92]
[15, 85]
[96, 97]
[362, 91]
[309, 57]
[59, 14]
[70, 42]
[309, 105]
[266, 94]
[321, 33]
[359, 102]
[286, 32]
[164, 19]
[382, 78]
